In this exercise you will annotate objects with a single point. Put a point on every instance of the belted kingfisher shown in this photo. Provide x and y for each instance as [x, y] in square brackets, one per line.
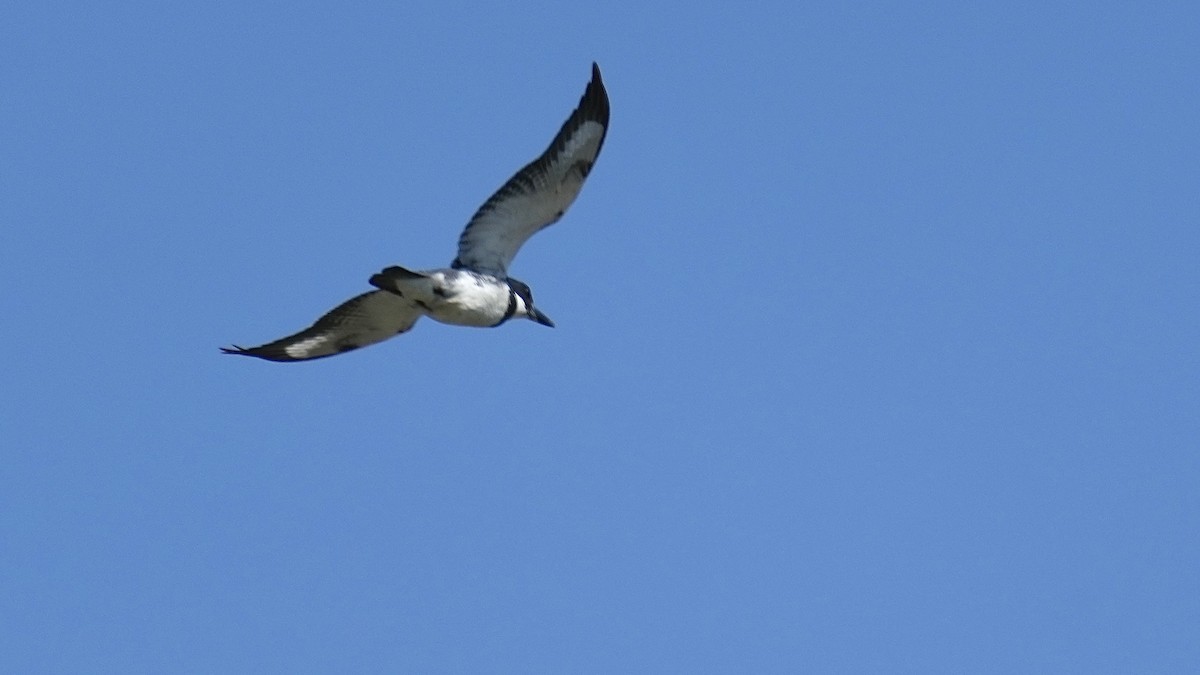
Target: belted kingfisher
[476, 289]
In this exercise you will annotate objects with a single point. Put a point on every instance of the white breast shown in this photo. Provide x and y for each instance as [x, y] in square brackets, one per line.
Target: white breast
[467, 299]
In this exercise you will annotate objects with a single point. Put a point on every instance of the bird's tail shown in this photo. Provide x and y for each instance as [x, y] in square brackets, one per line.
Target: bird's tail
[394, 279]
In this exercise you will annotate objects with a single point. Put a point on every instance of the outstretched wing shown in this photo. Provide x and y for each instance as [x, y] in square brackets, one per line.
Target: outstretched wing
[360, 321]
[540, 193]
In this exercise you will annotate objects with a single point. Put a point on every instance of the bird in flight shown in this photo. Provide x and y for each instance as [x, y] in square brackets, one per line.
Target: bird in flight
[476, 289]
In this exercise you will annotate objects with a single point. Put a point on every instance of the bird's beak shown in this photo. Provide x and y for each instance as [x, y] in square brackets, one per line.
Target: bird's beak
[535, 315]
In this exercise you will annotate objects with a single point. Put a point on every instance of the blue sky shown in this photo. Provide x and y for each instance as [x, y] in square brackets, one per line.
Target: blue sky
[877, 344]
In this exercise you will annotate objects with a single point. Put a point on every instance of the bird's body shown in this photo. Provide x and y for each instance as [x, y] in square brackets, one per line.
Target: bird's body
[459, 297]
[476, 289]
[462, 297]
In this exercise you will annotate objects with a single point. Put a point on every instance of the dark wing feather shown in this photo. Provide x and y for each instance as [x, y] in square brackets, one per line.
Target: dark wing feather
[360, 321]
[539, 193]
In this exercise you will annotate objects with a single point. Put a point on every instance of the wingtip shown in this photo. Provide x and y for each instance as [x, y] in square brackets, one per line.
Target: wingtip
[261, 352]
[594, 102]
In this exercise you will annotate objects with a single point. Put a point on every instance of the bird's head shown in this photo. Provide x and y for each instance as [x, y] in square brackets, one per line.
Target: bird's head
[525, 306]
